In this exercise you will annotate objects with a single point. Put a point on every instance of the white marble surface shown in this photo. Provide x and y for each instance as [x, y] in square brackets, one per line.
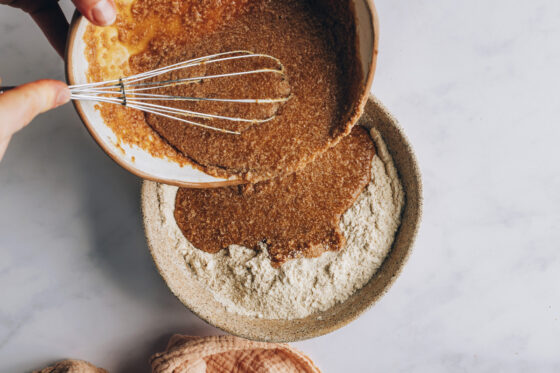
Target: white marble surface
[476, 86]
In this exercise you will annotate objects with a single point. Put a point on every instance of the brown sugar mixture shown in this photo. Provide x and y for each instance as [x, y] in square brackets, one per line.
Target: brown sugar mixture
[295, 215]
[314, 39]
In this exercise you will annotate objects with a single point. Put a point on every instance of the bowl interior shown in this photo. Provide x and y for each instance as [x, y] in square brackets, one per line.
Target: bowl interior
[135, 159]
[140, 162]
[202, 303]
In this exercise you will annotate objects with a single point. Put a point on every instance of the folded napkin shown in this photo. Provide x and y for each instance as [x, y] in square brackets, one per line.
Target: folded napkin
[222, 354]
[229, 354]
[72, 366]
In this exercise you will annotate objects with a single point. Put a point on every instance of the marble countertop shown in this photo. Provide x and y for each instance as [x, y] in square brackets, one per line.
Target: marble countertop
[475, 85]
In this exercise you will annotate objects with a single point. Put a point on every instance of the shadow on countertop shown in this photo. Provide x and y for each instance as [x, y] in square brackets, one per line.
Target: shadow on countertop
[109, 200]
[112, 198]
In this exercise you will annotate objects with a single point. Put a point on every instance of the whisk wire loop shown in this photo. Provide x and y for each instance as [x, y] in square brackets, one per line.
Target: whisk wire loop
[134, 91]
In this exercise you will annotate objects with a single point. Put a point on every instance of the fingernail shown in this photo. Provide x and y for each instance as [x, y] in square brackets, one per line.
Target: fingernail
[62, 97]
[103, 13]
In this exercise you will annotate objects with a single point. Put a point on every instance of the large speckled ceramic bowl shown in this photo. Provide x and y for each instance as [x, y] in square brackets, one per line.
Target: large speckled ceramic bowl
[199, 300]
[142, 163]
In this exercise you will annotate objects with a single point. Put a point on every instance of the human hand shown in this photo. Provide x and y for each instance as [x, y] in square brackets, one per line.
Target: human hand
[49, 17]
[20, 105]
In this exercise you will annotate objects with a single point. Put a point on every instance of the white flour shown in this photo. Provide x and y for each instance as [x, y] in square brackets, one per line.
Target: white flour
[245, 281]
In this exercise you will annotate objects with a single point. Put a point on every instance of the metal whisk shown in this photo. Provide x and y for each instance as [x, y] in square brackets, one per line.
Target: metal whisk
[137, 91]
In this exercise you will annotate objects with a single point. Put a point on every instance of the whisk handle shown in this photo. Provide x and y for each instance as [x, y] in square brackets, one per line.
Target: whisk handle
[5, 89]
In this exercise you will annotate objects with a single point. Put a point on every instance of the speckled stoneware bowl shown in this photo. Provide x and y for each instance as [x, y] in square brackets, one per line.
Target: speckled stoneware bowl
[201, 302]
[142, 163]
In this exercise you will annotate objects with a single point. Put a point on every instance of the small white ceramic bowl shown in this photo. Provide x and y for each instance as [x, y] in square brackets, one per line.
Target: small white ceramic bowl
[140, 162]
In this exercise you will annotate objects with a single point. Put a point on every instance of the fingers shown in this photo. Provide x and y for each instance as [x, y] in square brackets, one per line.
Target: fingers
[48, 15]
[20, 105]
[99, 12]
[53, 23]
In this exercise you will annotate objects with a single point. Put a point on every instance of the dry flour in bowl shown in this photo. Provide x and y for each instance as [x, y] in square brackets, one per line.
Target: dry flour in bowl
[245, 281]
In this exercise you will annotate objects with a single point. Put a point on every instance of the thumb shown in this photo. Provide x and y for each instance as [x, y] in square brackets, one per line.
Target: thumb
[99, 12]
[21, 104]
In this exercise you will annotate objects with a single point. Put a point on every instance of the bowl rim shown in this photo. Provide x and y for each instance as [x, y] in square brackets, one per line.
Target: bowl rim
[77, 18]
[413, 207]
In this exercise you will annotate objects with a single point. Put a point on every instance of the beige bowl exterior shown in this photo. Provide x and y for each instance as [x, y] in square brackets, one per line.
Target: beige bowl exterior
[201, 302]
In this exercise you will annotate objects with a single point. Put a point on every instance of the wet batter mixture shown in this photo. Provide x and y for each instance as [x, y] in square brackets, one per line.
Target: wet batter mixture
[319, 53]
[295, 216]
